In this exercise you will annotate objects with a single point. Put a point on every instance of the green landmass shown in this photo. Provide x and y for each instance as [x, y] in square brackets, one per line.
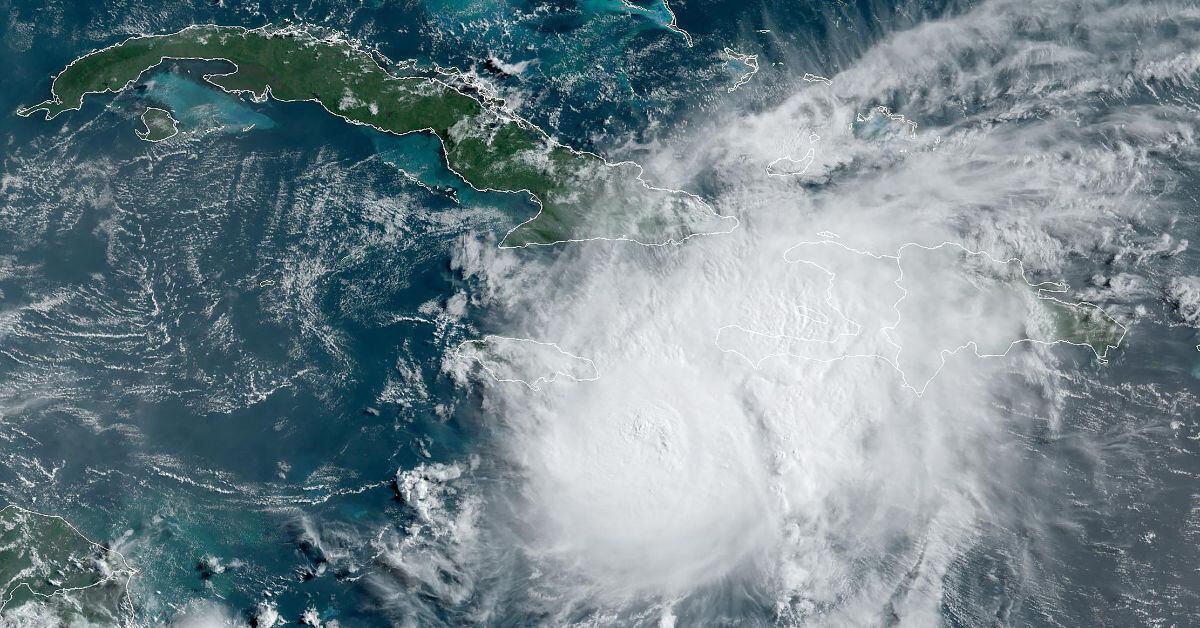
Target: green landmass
[581, 196]
[1084, 324]
[48, 569]
[1052, 318]
[159, 125]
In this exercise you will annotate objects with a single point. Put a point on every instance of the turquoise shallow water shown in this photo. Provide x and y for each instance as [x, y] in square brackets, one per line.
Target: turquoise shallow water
[217, 352]
[248, 340]
[200, 108]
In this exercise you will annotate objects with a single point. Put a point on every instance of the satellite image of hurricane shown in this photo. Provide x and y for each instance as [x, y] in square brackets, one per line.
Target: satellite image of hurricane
[600, 313]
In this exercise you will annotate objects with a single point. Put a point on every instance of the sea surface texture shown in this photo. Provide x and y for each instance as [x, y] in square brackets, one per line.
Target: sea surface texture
[935, 363]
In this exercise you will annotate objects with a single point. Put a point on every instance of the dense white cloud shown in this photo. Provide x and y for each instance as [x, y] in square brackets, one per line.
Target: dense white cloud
[826, 481]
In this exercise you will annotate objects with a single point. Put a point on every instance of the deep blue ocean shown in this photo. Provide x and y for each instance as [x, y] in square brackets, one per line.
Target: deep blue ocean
[216, 354]
[173, 379]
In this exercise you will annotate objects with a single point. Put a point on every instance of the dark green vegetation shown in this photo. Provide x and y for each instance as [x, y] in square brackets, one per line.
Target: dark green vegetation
[159, 125]
[581, 195]
[44, 559]
[1085, 324]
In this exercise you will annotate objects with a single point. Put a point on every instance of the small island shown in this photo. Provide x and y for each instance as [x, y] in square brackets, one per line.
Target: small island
[159, 125]
[581, 196]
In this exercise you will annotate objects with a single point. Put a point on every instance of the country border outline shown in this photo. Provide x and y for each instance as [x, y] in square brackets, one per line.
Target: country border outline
[541, 380]
[499, 108]
[943, 354]
[129, 569]
[145, 136]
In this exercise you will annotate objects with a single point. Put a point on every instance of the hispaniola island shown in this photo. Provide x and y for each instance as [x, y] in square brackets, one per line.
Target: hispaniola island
[599, 313]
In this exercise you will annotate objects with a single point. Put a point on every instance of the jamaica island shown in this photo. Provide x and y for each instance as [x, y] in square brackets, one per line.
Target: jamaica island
[580, 195]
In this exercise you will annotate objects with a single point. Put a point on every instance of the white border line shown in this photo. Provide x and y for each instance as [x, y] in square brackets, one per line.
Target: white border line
[497, 109]
[944, 354]
[807, 160]
[890, 115]
[534, 385]
[145, 137]
[749, 60]
[128, 570]
[673, 25]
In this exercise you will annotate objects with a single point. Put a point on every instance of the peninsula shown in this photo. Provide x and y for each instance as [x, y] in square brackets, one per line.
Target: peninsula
[581, 196]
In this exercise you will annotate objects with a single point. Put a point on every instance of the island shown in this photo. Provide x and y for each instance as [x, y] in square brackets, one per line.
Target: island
[525, 361]
[45, 561]
[1082, 324]
[159, 125]
[917, 309]
[580, 195]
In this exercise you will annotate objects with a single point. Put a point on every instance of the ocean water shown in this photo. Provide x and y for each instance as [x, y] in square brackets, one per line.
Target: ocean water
[202, 109]
[230, 356]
